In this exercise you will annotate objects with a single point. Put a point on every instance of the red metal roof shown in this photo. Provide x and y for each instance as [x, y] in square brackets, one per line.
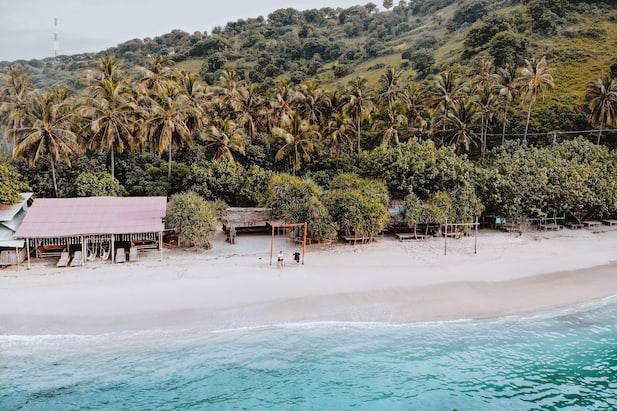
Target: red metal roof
[62, 217]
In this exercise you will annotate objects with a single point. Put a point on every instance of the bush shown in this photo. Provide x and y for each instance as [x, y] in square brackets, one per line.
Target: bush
[417, 167]
[194, 219]
[147, 176]
[11, 184]
[97, 185]
[421, 60]
[575, 176]
[480, 36]
[508, 48]
[358, 206]
[470, 13]
[294, 200]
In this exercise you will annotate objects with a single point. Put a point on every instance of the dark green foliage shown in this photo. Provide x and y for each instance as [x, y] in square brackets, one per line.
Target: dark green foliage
[97, 185]
[546, 15]
[417, 167]
[470, 12]
[421, 59]
[194, 219]
[574, 176]
[480, 35]
[147, 176]
[508, 48]
[11, 184]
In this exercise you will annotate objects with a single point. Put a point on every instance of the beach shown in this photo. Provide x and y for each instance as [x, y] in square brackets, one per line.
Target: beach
[233, 286]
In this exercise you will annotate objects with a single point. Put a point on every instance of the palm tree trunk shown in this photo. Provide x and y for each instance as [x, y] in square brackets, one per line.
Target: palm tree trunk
[53, 175]
[528, 120]
[295, 160]
[505, 121]
[113, 168]
[359, 135]
[169, 162]
[482, 145]
[601, 130]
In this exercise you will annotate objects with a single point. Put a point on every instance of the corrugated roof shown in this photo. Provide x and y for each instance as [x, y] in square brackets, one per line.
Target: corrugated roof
[7, 212]
[62, 217]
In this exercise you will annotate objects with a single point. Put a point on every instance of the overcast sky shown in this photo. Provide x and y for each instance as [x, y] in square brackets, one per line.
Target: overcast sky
[26, 26]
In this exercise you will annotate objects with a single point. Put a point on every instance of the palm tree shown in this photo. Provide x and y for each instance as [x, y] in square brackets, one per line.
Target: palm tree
[226, 138]
[446, 92]
[282, 105]
[601, 99]
[248, 107]
[49, 131]
[461, 119]
[389, 121]
[111, 115]
[105, 68]
[340, 133]
[157, 73]
[390, 86]
[196, 99]
[298, 136]
[166, 121]
[486, 102]
[507, 88]
[534, 78]
[358, 106]
[14, 101]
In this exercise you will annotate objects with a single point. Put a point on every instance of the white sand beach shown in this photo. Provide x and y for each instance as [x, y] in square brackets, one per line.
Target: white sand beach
[388, 281]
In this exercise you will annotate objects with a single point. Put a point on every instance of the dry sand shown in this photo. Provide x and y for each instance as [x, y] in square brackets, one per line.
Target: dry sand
[233, 286]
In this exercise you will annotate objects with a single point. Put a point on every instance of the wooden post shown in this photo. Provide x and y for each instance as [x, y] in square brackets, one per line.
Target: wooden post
[84, 253]
[17, 257]
[476, 237]
[113, 248]
[28, 251]
[304, 242]
[271, 244]
[445, 238]
[161, 245]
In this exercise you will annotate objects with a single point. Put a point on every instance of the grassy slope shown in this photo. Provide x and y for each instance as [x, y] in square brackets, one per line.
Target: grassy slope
[575, 60]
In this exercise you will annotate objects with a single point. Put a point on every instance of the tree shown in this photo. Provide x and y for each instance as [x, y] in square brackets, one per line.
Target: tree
[461, 120]
[97, 185]
[358, 106]
[111, 115]
[249, 107]
[11, 184]
[194, 220]
[601, 98]
[508, 91]
[48, 131]
[226, 138]
[508, 47]
[387, 4]
[389, 121]
[535, 78]
[298, 137]
[166, 121]
[14, 98]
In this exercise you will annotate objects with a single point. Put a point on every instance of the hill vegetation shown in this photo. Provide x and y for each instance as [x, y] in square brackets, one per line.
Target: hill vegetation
[458, 107]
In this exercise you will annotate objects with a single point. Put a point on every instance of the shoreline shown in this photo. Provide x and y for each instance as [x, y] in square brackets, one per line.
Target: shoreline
[233, 288]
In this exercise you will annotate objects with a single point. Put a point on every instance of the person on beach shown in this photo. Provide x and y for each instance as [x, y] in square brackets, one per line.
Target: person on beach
[280, 260]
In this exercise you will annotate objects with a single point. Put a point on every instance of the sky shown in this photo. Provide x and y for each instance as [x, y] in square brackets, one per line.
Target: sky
[26, 26]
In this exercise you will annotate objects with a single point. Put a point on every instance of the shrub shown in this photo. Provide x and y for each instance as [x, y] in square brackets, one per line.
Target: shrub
[194, 219]
[508, 48]
[296, 201]
[11, 184]
[358, 206]
[97, 185]
[147, 176]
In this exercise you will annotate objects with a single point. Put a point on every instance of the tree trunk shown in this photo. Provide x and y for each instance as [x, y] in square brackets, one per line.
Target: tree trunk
[482, 145]
[528, 120]
[113, 168]
[359, 135]
[169, 162]
[601, 130]
[295, 160]
[53, 175]
[505, 121]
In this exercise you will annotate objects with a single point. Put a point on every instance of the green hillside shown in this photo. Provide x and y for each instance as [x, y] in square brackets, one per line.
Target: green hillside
[332, 46]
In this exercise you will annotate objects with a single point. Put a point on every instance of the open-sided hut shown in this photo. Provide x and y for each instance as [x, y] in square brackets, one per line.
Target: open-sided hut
[93, 226]
[12, 250]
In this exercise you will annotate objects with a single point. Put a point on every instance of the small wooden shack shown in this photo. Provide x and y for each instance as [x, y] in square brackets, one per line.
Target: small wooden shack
[246, 219]
[12, 250]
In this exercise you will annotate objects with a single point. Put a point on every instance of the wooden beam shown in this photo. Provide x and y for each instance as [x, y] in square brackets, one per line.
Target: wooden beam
[28, 251]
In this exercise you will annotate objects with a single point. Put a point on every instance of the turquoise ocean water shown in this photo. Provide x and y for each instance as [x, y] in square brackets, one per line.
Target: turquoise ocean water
[563, 360]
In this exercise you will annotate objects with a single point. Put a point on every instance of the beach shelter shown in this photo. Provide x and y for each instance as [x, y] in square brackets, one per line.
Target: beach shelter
[94, 226]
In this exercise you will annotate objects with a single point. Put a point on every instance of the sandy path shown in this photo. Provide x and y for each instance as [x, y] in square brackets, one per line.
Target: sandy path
[233, 286]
